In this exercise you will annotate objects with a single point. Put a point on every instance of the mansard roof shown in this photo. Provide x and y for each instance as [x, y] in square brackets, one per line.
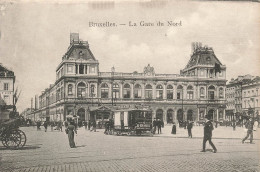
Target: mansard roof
[79, 50]
[202, 56]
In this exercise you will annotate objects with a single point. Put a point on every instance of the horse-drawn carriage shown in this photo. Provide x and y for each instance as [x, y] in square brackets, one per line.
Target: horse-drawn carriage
[10, 134]
[133, 121]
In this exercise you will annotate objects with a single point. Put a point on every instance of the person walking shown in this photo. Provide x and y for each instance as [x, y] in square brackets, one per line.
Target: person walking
[208, 127]
[70, 131]
[174, 128]
[189, 127]
[234, 125]
[159, 125]
[45, 124]
[154, 126]
[249, 126]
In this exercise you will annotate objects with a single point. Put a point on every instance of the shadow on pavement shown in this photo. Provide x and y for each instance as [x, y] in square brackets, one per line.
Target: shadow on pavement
[81, 146]
[27, 147]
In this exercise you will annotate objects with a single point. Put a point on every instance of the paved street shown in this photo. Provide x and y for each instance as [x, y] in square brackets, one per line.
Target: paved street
[98, 152]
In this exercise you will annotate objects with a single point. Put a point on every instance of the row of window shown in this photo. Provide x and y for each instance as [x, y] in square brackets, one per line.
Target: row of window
[148, 92]
[253, 93]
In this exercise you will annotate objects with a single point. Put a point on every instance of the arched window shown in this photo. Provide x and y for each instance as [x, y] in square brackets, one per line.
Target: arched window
[221, 93]
[148, 91]
[70, 89]
[211, 92]
[169, 92]
[202, 92]
[127, 91]
[190, 92]
[159, 92]
[179, 92]
[104, 90]
[115, 91]
[81, 90]
[137, 91]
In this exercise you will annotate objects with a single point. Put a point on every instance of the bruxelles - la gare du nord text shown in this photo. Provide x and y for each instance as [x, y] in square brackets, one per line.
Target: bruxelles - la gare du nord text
[135, 24]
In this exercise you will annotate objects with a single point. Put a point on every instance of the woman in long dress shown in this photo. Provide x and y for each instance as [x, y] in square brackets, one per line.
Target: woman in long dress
[71, 129]
[173, 128]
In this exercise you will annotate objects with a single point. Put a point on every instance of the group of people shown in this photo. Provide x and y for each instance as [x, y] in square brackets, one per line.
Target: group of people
[188, 125]
[157, 124]
[54, 125]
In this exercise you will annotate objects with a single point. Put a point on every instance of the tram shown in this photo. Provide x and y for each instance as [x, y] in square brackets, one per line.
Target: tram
[132, 122]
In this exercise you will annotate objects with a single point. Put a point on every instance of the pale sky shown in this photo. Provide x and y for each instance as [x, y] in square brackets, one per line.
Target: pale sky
[34, 37]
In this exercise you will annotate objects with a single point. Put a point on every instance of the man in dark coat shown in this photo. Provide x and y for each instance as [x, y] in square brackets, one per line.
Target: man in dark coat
[250, 126]
[189, 127]
[159, 125]
[208, 127]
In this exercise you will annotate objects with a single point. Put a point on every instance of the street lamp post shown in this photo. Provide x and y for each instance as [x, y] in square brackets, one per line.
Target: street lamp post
[112, 83]
[182, 104]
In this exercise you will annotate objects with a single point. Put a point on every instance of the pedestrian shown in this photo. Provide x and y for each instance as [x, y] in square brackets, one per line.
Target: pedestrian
[255, 125]
[45, 124]
[234, 125]
[89, 124]
[154, 126]
[185, 124]
[189, 127]
[249, 126]
[60, 126]
[70, 131]
[86, 125]
[38, 125]
[94, 126]
[174, 128]
[52, 125]
[208, 127]
[159, 125]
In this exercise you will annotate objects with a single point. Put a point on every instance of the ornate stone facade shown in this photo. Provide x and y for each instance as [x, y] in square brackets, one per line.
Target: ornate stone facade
[80, 87]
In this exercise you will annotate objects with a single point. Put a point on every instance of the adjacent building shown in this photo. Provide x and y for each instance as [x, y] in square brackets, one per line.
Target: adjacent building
[7, 80]
[82, 90]
[242, 97]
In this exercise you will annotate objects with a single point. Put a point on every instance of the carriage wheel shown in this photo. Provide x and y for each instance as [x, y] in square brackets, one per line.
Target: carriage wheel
[22, 138]
[12, 139]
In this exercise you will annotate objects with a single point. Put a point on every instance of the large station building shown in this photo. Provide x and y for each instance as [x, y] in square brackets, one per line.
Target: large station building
[82, 90]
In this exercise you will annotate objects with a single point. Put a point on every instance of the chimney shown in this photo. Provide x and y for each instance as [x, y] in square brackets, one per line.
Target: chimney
[74, 37]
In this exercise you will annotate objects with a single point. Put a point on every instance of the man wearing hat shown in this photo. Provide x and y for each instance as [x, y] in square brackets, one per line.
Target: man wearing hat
[208, 127]
[250, 126]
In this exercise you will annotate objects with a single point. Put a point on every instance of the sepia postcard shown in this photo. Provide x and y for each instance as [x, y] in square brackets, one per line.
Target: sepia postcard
[143, 85]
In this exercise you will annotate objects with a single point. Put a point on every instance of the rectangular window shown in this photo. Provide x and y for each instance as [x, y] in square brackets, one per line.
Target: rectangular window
[6, 99]
[169, 94]
[190, 95]
[148, 94]
[137, 93]
[70, 69]
[202, 72]
[104, 93]
[159, 94]
[92, 69]
[6, 85]
[178, 95]
[126, 93]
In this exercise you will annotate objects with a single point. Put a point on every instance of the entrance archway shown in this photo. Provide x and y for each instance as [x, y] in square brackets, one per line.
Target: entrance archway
[169, 116]
[179, 115]
[189, 115]
[81, 114]
[211, 114]
[159, 114]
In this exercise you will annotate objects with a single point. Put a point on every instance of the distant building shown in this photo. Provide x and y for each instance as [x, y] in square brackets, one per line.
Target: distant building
[251, 97]
[242, 94]
[82, 90]
[7, 80]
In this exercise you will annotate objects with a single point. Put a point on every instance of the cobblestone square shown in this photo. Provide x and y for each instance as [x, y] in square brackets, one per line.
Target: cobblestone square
[50, 151]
